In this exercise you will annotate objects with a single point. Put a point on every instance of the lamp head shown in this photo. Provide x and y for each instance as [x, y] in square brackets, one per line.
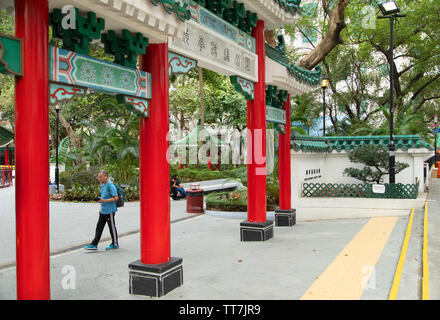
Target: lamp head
[389, 7]
[324, 82]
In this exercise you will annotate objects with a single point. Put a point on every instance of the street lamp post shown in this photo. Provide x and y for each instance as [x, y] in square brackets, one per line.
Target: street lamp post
[390, 11]
[57, 175]
[435, 139]
[324, 86]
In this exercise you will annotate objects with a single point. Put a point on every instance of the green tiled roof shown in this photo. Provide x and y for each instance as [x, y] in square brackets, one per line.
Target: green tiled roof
[309, 144]
[347, 143]
[402, 142]
[6, 136]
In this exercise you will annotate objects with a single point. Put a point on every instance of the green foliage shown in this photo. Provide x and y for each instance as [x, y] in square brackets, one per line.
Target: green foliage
[227, 201]
[273, 187]
[7, 82]
[123, 174]
[357, 69]
[376, 161]
[81, 183]
[192, 174]
[80, 176]
[132, 193]
[62, 152]
[223, 104]
[237, 200]
[406, 123]
[82, 193]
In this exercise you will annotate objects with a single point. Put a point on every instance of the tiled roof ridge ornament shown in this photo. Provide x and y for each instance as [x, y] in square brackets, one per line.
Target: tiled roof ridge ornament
[292, 6]
[180, 8]
[77, 39]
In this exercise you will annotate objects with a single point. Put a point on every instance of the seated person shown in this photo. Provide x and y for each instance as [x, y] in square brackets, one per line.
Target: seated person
[176, 188]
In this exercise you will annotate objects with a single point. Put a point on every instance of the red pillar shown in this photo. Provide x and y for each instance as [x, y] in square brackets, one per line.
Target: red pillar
[250, 148]
[6, 155]
[7, 165]
[257, 125]
[32, 152]
[284, 162]
[154, 167]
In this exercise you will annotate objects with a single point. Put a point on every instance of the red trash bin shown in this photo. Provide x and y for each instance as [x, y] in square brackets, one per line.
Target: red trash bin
[194, 199]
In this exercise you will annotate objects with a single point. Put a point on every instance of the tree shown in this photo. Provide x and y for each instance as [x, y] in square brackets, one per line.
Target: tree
[376, 161]
[223, 105]
[358, 69]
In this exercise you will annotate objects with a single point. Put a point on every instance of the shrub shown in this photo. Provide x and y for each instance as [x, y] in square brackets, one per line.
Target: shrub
[79, 176]
[82, 193]
[132, 193]
[227, 201]
[191, 174]
[237, 200]
[123, 174]
[273, 195]
[376, 161]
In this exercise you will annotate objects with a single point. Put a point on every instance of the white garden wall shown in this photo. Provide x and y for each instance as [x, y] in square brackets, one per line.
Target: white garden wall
[329, 167]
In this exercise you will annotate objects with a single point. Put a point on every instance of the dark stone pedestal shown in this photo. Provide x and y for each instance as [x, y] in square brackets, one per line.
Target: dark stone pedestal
[155, 280]
[285, 218]
[256, 231]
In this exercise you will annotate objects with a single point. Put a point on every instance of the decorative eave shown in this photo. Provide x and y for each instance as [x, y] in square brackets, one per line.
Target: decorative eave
[137, 16]
[278, 75]
[6, 137]
[275, 13]
[309, 144]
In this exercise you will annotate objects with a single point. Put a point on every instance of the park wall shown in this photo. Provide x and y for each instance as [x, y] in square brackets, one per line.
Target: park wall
[329, 167]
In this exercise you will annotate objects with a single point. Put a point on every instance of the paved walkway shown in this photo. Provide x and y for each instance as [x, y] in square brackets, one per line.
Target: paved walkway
[216, 264]
[434, 239]
[71, 224]
[358, 256]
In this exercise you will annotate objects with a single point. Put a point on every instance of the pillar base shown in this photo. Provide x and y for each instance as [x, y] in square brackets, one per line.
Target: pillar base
[256, 231]
[155, 280]
[285, 218]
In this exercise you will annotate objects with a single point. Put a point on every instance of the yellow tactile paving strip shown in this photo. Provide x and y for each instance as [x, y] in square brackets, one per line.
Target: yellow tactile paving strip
[425, 278]
[346, 277]
[399, 269]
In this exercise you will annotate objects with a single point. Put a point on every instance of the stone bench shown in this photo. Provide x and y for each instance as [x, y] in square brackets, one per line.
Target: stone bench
[215, 185]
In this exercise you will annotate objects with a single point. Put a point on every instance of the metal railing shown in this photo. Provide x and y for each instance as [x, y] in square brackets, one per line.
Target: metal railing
[341, 190]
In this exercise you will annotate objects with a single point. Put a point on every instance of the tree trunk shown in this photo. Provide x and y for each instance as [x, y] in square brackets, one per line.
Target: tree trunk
[331, 39]
[269, 37]
[76, 140]
[182, 123]
[202, 107]
[202, 99]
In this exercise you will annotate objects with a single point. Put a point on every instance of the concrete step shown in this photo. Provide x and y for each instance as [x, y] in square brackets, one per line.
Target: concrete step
[215, 185]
